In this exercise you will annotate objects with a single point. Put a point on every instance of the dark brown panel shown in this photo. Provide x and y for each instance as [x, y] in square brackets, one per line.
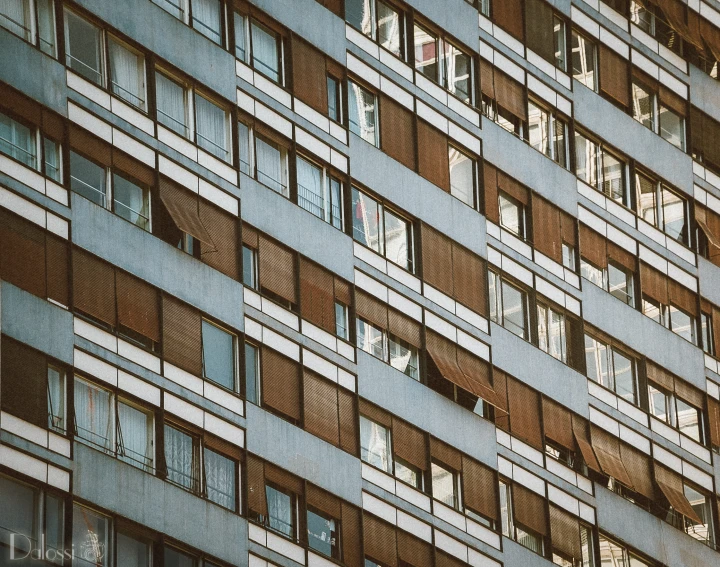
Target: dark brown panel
[670, 483]
[94, 287]
[593, 247]
[582, 437]
[433, 156]
[660, 376]
[547, 235]
[513, 188]
[277, 269]
[682, 297]
[321, 408]
[343, 291]
[607, 451]
[477, 376]
[257, 501]
[352, 539]
[414, 551]
[487, 79]
[250, 236]
[223, 230]
[58, 269]
[348, 421]
[480, 488]
[405, 328]
[138, 306]
[492, 207]
[183, 207]
[529, 509]
[508, 14]
[18, 103]
[672, 101]
[568, 229]
[53, 125]
[133, 168]
[409, 444]
[380, 540]
[614, 76]
[539, 28]
[91, 146]
[397, 132]
[24, 384]
[446, 454]
[714, 421]
[284, 479]
[565, 533]
[182, 335]
[371, 309]
[525, 413]
[621, 256]
[443, 559]
[281, 380]
[510, 95]
[437, 259]
[689, 393]
[375, 413]
[444, 354]
[324, 501]
[557, 421]
[317, 297]
[637, 465]
[653, 283]
[469, 279]
[22, 254]
[309, 75]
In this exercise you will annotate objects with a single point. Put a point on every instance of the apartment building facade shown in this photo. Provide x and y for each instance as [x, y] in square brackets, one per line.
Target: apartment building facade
[368, 283]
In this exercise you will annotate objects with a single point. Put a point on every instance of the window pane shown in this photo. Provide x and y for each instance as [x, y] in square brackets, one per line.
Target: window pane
[611, 554]
[132, 552]
[17, 141]
[90, 538]
[407, 473]
[511, 216]
[131, 202]
[245, 144]
[54, 527]
[171, 104]
[366, 220]
[505, 512]
[361, 108]
[596, 361]
[15, 16]
[127, 74]
[559, 43]
[333, 94]
[641, 17]
[494, 295]
[177, 8]
[271, 165]
[539, 128]
[673, 212]
[426, 54]
[462, 176]
[211, 128]
[443, 485]
[179, 457]
[206, 19]
[240, 37]
[56, 399]
[398, 247]
[18, 505]
[620, 284]
[624, 369]
[651, 309]
[643, 105]
[701, 505]
[559, 149]
[46, 26]
[556, 332]
[135, 431]
[586, 160]
[375, 444]
[689, 421]
[659, 404]
[252, 390]
[403, 357]
[336, 206]
[280, 511]
[370, 339]
[310, 187]
[220, 479]
[389, 29]
[83, 47]
[53, 160]
[322, 534]
[218, 355]
[93, 415]
[568, 257]
[583, 60]
[341, 321]
[514, 317]
[682, 324]
[249, 270]
[458, 72]
[87, 179]
[359, 14]
[265, 52]
[175, 558]
[613, 177]
[646, 189]
[671, 128]
[591, 273]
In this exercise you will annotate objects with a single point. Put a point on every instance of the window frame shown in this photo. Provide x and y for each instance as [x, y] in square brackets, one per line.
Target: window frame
[235, 355]
[474, 173]
[609, 355]
[35, 140]
[552, 119]
[497, 282]
[327, 176]
[583, 42]
[599, 170]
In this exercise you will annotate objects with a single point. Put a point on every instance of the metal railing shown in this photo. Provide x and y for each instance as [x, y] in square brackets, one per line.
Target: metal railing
[311, 201]
[134, 99]
[173, 122]
[25, 156]
[216, 149]
[92, 189]
[95, 72]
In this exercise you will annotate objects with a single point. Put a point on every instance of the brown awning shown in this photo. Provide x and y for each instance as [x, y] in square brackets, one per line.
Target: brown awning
[444, 355]
[580, 432]
[607, 451]
[672, 487]
[702, 221]
[182, 205]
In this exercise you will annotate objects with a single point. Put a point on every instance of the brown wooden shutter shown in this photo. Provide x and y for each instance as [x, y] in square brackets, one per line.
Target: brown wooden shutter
[352, 540]
[443, 559]
[593, 247]
[637, 465]
[182, 335]
[477, 375]
[317, 297]
[539, 26]
[348, 421]
[53, 125]
[22, 254]
[513, 188]
[20, 104]
[671, 485]
[343, 291]
[335, 6]
[714, 421]
[281, 381]
[582, 437]
[508, 14]
[414, 551]
[57, 261]
[510, 94]
[433, 156]
[479, 488]
[672, 101]
[223, 230]
[660, 376]
[409, 444]
[257, 501]
[711, 34]
[689, 393]
[250, 236]
[375, 414]
[621, 256]
[709, 222]
[183, 208]
[138, 306]
[529, 509]
[321, 408]
[487, 79]
[324, 501]
[614, 76]
[91, 146]
[557, 422]
[397, 132]
[371, 309]
[547, 235]
[568, 225]
[446, 454]
[653, 283]
[405, 328]
[133, 168]
[469, 279]
[607, 451]
[525, 413]
[94, 287]
[23, 383]
[437, 259]
[565, 533]
[716, 328]
[309, 75]
[380, 540]
[277, 269]
[284, 479]
[682, 297]
[490, 186]
[444, 354]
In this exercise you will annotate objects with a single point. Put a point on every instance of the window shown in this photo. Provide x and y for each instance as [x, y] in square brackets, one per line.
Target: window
[408, 473]
[511, 528]
[547, 133]
[219, 355]
[319, 192]
[281, 511]
[707, 333]
[131, 202]
[444, 63]
[611, 368]
[371, 339]
[702, 506]
[342, 328]
[178, 8]
[643, 101]
[260, 47]
[252, 373]
[335, 98]
[127, 74]
[250, 267]
[18, 141]
[91, 537]
[94, 419]
[362, 110]
[84, 48]
[612, 553]
[219, 476]
[32, 20]
[323, 534]
[174, 557]
[271, 165]
[568, 256]
[444, 485]
[375, 444]
[614, 279]
[463, 176]
[512, 214]
[382, 230]
[600, 168]
[508, 306]
[245, 149]
[182, 458]
[584, 60]
[53, 159]
[135, 435]
[131, 548]
[57, 396]
[87, 179]
[551, 332]
[207, 18]
[671, 126]
[663, 114]
[675, 412]
[379, 21]
[404, 357]
[559, 43]
[172, 102]
[661, 207]
[211, 125]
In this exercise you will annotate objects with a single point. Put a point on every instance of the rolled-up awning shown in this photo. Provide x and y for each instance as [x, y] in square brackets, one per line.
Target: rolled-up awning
[182, 206]
[671, 485]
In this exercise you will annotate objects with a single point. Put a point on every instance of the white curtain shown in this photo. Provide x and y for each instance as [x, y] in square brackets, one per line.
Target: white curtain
[46, 26]
[15, 16]
[206, 16]
[220, 479]
[279, 511]
[17, 141]
[125, 73]
[240, 39]
[375, 444]
[56, 395]
[265, 52]
[93, 414]
[131, 552]
[171, 104]
[244, 143]
[461, 177]
[310, 188]
[179, 457]
[133, 438]
[270, 165]
[211, 127]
